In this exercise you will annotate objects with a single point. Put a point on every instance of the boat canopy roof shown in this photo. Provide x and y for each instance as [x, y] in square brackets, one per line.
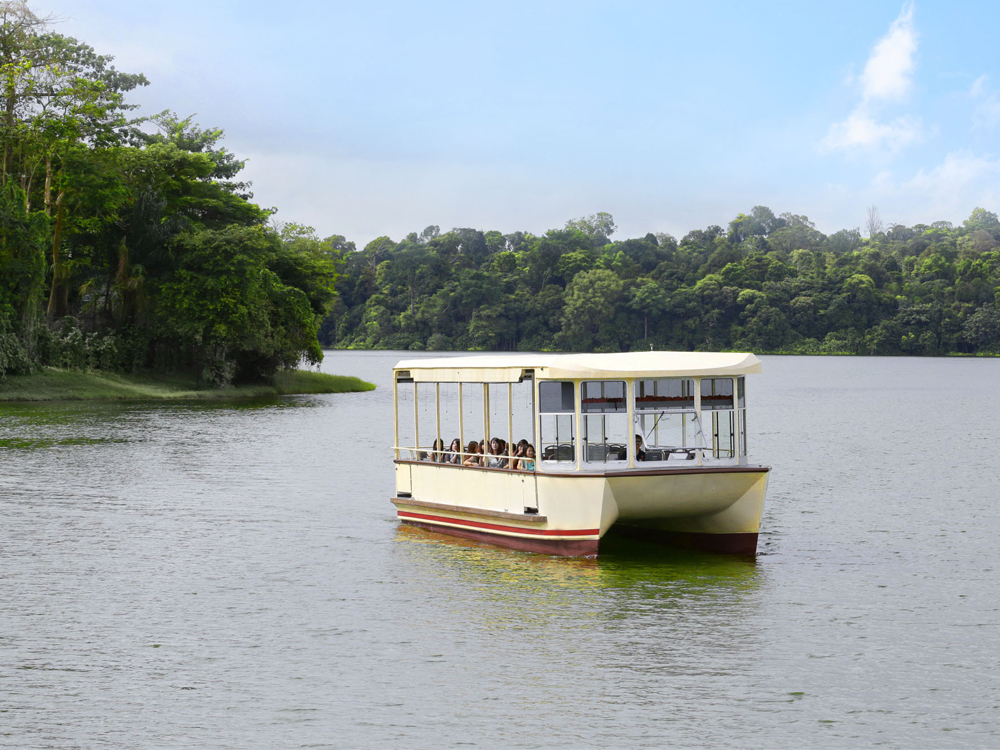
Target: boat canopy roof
[509, 368]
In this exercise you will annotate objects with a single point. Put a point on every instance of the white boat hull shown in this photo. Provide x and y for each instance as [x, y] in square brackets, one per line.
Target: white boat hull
[717, 508]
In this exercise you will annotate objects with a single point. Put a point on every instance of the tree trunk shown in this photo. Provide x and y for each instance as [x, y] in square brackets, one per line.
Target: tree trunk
[59, 294]
[122, 279]
[9, 135]
[47, 194]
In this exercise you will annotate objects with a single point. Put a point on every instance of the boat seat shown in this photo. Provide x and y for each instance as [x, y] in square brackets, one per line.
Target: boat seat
[597, 452]
[561, 452]
[682, 454]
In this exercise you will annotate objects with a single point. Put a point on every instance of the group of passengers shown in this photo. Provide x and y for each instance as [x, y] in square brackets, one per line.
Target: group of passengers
[495, 455]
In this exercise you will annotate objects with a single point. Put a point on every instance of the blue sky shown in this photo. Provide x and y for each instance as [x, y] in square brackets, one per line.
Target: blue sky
[384, 117]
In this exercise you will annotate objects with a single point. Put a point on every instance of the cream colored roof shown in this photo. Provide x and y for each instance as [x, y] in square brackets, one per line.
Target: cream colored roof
[509, 368]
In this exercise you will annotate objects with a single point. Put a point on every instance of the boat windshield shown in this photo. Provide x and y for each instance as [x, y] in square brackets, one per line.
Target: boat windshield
[666, 419]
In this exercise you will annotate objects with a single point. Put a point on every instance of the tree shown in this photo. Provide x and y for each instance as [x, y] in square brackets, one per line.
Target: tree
[982, 329]
[647, 298]
[234, 315]
[844, 241]
[873, 221]
[599, 227]
[591, 302]
[981, 219]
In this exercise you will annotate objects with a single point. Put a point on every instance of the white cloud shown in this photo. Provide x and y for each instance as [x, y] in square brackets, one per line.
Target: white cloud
[888, 72]
[887, 77]
[950, 190]
[861, 130]
[978, 87]
[960, 178]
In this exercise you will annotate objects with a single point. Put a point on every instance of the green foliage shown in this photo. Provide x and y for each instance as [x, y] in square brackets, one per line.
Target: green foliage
[13, 355]
[122, 250]
[770, 283]
[231, 312]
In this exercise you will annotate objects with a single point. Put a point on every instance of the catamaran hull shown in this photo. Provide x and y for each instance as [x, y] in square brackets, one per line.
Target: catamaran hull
[712, 508]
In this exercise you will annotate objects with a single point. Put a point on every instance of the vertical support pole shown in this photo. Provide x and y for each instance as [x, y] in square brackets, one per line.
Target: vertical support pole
[486, 415]
[536, 421]
[743, 433]
[437, 404]
[510, 424]
[697, 415]
[461, 421]
[577, 386]
[395, 416]
[416, 427]
[684, 424]
[630, 400]
[740, 420]
[534, 414]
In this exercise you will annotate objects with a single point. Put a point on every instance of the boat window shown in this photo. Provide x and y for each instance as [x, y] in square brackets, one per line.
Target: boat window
[663, 394]
[723, 434]
[666, 420]
[605, 420]
[557, 440]
[721, 419]
[716, 393]
[670, 436]
[741, 397]
[603, 396]
[555, 397]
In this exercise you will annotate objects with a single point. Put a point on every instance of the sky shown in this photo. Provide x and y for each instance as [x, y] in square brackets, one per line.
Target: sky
[382, 118]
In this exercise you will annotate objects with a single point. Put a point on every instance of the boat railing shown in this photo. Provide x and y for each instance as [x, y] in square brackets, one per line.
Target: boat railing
[431, 456]
[556, 455]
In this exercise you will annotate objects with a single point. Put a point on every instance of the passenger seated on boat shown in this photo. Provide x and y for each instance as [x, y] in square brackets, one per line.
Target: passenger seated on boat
[437, 451]
[453, 456]
[640, 453]
[493, 454]
[504, 461]
[519, 453]
[528, 462]
[473, 458]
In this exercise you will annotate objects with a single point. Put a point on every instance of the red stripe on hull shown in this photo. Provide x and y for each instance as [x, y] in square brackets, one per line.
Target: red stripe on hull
[500, 527]
[562, 548]
[729, 544]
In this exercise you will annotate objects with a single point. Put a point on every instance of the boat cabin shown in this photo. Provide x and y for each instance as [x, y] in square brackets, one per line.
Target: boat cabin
[586, 413]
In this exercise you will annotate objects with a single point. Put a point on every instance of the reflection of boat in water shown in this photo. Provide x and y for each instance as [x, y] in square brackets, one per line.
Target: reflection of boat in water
[653, 443]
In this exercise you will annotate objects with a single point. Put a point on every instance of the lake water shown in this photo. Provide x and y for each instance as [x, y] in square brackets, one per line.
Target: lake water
[233, 576]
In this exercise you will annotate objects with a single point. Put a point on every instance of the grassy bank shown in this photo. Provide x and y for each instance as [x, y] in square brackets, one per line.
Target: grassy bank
[57, 385]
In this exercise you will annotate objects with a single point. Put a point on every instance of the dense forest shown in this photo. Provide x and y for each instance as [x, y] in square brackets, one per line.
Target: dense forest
[765, 283]
[130, 243]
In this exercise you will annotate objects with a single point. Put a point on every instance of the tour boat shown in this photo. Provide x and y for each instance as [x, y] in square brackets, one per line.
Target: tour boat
[650, 443]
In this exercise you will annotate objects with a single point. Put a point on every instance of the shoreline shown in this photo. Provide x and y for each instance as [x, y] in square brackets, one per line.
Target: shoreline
[764, 353]
[52, 384]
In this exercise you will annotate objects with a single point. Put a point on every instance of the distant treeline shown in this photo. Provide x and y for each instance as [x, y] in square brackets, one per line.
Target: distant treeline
[130, 243]
[766, 283]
